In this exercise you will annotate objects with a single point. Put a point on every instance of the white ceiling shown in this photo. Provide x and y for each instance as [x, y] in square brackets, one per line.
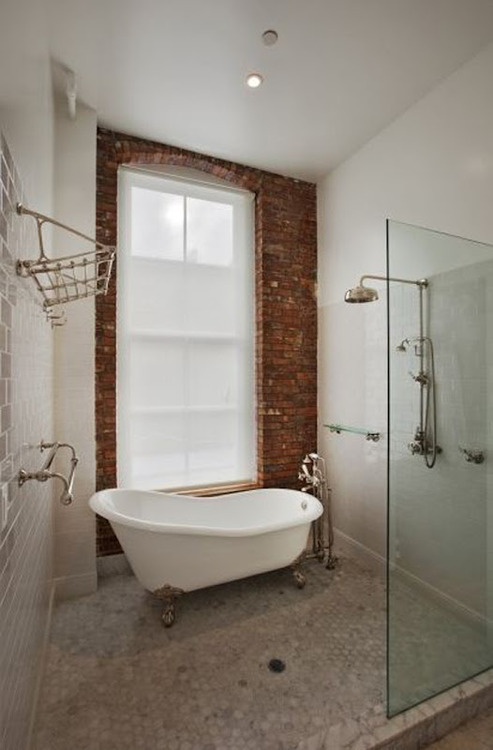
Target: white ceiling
[174, 70]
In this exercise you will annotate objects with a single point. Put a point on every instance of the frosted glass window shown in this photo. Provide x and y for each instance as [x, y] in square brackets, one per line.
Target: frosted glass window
[209, 232]
[157, 224]
[185, 386]
[155, 372]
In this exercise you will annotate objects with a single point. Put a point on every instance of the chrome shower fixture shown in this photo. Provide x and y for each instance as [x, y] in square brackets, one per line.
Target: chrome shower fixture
[402, 347]
[424, 442]
[362, 293]
[417, 343]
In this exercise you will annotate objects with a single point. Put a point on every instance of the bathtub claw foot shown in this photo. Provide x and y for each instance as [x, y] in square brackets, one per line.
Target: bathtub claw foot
[168, 616]
[168, 594]
[298, 576]
[331, 562]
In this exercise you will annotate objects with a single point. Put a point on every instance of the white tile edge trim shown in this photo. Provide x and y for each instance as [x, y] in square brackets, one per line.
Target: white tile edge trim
[41, 666]
[378, 564]
[371, 559]
[447, 601]
[71, 587]
[111, 565]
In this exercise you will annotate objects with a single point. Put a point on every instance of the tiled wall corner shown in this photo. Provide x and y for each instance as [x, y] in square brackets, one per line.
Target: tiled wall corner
[26, 416]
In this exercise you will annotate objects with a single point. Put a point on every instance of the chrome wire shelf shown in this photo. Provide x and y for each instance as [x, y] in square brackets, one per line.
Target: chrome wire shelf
[71, 277]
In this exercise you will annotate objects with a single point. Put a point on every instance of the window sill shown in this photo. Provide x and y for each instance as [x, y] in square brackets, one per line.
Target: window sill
[223, 489]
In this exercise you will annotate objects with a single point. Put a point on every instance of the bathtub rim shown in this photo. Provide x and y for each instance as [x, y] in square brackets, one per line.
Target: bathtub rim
[97, 505]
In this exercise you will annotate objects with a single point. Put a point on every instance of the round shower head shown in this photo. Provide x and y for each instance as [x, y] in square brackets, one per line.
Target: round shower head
[402, 347]
[361, 294]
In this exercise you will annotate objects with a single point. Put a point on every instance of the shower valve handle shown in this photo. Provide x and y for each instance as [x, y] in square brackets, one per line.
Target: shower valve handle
[472, 456]
[415, 447]
[421, 378]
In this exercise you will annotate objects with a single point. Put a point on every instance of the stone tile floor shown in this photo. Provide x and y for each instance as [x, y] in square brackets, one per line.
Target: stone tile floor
[476, 734]
[117, 680]
[431, 644]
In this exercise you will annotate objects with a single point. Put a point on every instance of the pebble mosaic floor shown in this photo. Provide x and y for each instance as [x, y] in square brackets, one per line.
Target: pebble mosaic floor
[117, 680]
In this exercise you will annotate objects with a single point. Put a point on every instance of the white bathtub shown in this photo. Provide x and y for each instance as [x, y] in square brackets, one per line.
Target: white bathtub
[184, 543]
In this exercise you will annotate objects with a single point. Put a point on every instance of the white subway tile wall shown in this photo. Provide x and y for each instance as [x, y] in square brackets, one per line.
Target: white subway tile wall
[26, 418]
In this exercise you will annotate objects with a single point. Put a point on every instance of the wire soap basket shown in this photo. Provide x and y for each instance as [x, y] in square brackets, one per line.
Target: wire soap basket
[68, 278]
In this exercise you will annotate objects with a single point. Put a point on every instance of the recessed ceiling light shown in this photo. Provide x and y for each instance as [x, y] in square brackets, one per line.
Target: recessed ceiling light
[270, 37]
[254, 80]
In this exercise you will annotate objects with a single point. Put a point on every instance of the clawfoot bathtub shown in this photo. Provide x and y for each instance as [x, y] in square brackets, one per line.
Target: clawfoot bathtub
[179, 543]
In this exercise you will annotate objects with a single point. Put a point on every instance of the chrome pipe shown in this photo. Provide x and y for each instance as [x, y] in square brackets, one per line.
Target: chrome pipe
[51, 455]
[66, 498]
[421, 283]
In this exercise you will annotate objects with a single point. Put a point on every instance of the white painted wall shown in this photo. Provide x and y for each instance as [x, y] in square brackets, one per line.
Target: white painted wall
[432, 167]
[26, 103]
[75, 205]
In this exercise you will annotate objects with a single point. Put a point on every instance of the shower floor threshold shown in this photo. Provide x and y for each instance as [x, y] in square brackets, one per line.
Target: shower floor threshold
[115, 679]
[418, 727]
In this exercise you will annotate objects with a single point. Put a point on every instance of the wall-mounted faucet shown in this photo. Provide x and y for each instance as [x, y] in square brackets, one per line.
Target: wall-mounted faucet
[44, 473]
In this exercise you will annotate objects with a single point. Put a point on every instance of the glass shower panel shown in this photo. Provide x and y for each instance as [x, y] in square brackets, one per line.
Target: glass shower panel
[440, 491]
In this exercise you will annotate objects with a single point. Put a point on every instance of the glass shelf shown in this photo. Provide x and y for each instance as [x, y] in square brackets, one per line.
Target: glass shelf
[338, 428]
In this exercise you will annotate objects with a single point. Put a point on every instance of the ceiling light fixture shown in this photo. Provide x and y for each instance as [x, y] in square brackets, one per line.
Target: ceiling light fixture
[254, 80]
[270, 37]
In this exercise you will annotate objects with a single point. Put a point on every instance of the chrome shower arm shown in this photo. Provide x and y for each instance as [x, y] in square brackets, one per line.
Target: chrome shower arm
[422, 283]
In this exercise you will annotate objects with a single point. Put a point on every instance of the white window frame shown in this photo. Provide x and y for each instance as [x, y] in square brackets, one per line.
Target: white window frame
[184, 182]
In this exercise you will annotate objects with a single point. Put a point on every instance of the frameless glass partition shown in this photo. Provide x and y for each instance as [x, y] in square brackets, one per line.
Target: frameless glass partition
[440, 496]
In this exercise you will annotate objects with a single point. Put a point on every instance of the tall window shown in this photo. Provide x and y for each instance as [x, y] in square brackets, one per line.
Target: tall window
[185, 387]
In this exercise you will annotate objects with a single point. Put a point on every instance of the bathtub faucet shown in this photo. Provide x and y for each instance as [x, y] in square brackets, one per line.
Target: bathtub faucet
[316, 477]
[305, 476]
[312, 474]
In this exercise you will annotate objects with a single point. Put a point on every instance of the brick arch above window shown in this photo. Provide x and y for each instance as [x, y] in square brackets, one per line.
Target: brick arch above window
[286, 309]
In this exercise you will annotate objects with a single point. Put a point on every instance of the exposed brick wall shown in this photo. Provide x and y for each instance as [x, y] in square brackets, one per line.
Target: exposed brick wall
[286, 310]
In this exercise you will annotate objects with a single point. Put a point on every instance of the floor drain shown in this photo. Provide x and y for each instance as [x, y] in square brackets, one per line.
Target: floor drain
[276, 665]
